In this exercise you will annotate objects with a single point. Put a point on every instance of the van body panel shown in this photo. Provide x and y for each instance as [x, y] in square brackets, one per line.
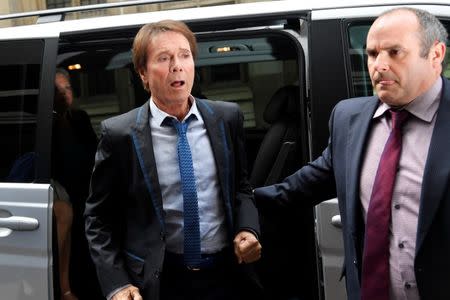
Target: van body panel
[331, 246]
[325, 9]
[25, 244]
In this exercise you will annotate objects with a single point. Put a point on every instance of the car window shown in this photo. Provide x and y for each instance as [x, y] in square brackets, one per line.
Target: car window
[247, 72]
[360, 79]
[20, 64]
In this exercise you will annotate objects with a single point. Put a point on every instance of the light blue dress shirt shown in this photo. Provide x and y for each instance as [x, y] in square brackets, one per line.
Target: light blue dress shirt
[213, 233]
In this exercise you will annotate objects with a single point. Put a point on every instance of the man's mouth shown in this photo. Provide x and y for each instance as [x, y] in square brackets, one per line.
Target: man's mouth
[385, 81]
[178, 83]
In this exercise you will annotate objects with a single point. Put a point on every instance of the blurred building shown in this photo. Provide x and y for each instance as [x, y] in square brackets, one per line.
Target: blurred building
[20, 6]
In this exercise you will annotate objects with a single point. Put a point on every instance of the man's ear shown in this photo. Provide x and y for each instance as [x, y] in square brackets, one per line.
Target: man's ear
[437, 53]
[143, 76]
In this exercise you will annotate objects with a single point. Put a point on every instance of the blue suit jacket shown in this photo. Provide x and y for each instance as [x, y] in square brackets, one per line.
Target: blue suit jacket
[124, 213]
[337, 173]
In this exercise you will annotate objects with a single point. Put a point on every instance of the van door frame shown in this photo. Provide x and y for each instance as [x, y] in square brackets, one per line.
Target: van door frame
[45, 111]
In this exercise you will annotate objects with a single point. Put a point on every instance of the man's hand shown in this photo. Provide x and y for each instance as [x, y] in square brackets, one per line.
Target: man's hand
[128, 293]
[246, 247]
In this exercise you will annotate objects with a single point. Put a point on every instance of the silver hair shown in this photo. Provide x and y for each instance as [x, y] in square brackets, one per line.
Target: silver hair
[431, 29]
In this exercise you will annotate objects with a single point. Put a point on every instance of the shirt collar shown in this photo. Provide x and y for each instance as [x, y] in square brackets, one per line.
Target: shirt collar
[423, 107]
[160, 115]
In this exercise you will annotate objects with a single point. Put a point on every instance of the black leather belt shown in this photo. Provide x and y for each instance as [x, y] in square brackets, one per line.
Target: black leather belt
[207, 262]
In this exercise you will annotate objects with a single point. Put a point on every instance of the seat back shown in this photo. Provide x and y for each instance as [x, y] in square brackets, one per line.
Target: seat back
[280, 142]
[276, 159]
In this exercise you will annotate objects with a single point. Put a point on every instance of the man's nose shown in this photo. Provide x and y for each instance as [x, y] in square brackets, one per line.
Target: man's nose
[176, 65]
[381, 63]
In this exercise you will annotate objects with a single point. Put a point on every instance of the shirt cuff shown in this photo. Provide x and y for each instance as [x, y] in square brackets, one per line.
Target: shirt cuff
[249, 230]
[110, 295]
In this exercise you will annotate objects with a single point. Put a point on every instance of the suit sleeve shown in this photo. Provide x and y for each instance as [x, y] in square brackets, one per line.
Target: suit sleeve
[313, 183]
[103, 220]
[246, 213]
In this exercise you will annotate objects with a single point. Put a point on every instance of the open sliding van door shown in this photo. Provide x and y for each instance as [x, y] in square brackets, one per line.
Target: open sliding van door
[26, 95]
[260, 63]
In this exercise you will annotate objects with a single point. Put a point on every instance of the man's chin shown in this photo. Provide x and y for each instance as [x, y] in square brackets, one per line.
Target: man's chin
[386, 97]
[392, 100]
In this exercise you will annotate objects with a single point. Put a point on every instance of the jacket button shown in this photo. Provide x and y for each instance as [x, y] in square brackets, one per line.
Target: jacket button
[161, 236]
[407, 286]
[157, 274]
[401, 246]
[355, 262]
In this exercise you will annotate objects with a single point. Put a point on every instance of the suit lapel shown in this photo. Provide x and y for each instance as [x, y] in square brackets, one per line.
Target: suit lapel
[437, 167]
[215, 126]
[143, 145]
[357, 137]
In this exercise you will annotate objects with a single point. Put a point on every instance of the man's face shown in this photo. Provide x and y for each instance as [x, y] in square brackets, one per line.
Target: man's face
[170, 69]
[398, 73]
[64, 95]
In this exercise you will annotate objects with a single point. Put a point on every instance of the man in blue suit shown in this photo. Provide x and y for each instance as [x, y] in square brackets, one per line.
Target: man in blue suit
[405, 48]
[149, 166]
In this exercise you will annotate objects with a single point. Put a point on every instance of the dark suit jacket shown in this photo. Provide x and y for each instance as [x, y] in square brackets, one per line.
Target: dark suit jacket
[124, 215]
[337, 173]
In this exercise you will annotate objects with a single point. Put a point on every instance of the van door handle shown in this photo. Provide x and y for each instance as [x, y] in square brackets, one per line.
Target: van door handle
[19, 223]
[336, 221]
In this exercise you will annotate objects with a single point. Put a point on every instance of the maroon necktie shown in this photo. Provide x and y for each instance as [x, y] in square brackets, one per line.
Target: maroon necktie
[375, 269]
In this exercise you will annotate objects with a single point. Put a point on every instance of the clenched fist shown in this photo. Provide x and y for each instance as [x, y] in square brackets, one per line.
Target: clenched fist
[247, 247]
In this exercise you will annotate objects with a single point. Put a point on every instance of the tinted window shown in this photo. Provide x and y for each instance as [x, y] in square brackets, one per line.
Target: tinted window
[20, 66]
[357, 33]
[246, 71]
[103, 79]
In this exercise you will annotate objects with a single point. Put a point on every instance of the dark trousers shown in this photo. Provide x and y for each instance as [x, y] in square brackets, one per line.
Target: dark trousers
[220, 282]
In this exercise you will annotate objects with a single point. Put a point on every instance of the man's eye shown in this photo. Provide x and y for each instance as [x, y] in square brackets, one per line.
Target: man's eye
[163, 58]
[371, 53]
[393, 52]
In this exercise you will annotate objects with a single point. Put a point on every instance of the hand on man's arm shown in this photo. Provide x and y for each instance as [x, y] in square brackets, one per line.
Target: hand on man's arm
[247, 247]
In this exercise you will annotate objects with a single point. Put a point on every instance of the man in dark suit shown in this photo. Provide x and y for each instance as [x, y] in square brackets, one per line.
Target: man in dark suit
[137, 212]
[405, 48]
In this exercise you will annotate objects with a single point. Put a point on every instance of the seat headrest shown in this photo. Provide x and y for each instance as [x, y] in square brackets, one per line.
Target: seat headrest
[282, 104]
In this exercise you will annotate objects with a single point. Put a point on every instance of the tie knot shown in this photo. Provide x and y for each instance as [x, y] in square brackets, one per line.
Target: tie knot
[181, 127]
[398, 118]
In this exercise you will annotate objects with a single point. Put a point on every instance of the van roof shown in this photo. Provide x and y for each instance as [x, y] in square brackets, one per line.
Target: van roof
[192, 14]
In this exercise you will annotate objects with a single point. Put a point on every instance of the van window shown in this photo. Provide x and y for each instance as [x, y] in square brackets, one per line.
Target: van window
[20, 64]
[247, 72]
[360, 79]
